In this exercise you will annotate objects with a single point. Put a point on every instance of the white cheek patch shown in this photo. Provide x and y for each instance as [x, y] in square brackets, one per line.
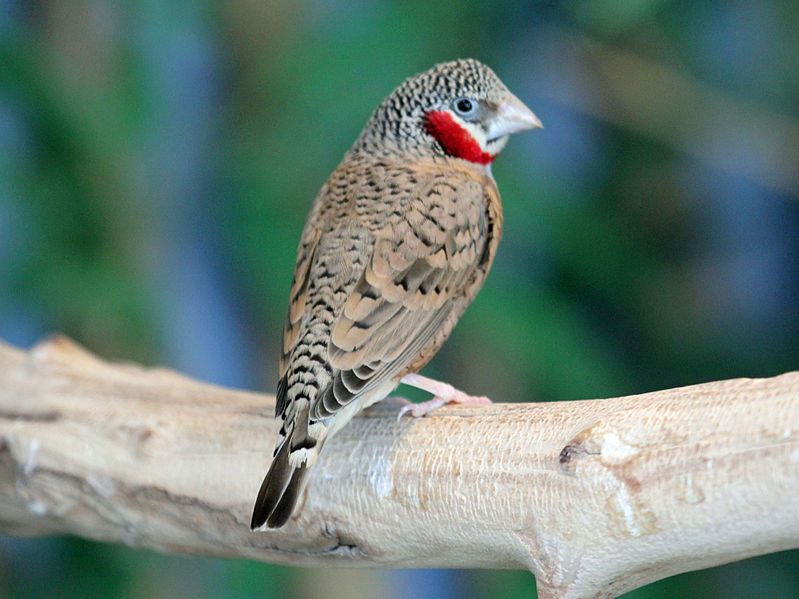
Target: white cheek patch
[493, 147]
[496, 145]
[475, 131]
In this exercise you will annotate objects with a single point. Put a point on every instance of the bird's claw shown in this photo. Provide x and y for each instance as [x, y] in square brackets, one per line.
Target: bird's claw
[418, 410]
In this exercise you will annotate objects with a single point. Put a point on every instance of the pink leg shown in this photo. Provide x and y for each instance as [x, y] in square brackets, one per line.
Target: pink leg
[444, 393]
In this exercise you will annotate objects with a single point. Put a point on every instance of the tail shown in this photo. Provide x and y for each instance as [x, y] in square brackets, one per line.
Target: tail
[279, 491]
[300, 443]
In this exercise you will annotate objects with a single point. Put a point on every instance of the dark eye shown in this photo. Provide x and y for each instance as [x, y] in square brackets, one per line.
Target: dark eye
[465, 107]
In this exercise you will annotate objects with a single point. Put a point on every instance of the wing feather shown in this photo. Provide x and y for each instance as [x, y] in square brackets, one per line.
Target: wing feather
[409, 288]
[298, 296]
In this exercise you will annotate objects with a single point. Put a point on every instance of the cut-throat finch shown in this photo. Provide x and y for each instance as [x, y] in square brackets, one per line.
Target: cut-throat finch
[398, 243]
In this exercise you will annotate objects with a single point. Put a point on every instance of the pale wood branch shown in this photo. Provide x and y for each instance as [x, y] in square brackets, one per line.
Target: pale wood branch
[594, 497]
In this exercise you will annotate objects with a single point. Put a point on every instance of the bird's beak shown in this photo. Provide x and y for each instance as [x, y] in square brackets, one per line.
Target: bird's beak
[512, 116]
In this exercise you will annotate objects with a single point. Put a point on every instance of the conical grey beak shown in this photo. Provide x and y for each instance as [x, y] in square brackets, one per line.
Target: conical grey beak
[512, 116]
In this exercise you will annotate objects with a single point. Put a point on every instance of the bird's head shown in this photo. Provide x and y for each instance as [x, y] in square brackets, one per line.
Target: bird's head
[459, 109]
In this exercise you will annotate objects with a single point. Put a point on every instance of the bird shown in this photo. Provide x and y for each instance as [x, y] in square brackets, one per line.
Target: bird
[397, 244]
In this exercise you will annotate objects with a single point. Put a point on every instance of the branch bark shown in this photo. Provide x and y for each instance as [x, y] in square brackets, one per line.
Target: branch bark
[594, 497]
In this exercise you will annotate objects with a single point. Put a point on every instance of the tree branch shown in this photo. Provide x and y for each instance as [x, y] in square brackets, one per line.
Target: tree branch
[594, 497]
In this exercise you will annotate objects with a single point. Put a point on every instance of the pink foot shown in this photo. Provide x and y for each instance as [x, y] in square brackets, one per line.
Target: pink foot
[444, 393]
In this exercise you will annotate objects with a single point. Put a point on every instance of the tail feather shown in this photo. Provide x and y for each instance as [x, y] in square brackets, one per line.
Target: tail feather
[288, 501]
[279, 491]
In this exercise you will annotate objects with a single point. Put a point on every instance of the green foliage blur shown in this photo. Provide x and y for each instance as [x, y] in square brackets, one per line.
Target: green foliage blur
[157, 161]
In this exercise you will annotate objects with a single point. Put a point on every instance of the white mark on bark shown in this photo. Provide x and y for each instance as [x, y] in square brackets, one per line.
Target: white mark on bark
[30, 462]
[616, 451]
[623, 497]
[37, 507]
[380, 477]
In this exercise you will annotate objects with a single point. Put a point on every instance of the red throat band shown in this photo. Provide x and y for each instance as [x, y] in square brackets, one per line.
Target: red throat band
[455, 140]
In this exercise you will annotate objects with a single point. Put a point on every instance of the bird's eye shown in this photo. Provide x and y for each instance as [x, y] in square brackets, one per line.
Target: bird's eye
[465, 107]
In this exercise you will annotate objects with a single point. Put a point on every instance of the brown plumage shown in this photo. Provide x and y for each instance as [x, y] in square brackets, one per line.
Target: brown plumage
[397, 245]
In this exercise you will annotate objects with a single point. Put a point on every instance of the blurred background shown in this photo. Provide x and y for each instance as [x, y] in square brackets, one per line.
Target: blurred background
[157, 161]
